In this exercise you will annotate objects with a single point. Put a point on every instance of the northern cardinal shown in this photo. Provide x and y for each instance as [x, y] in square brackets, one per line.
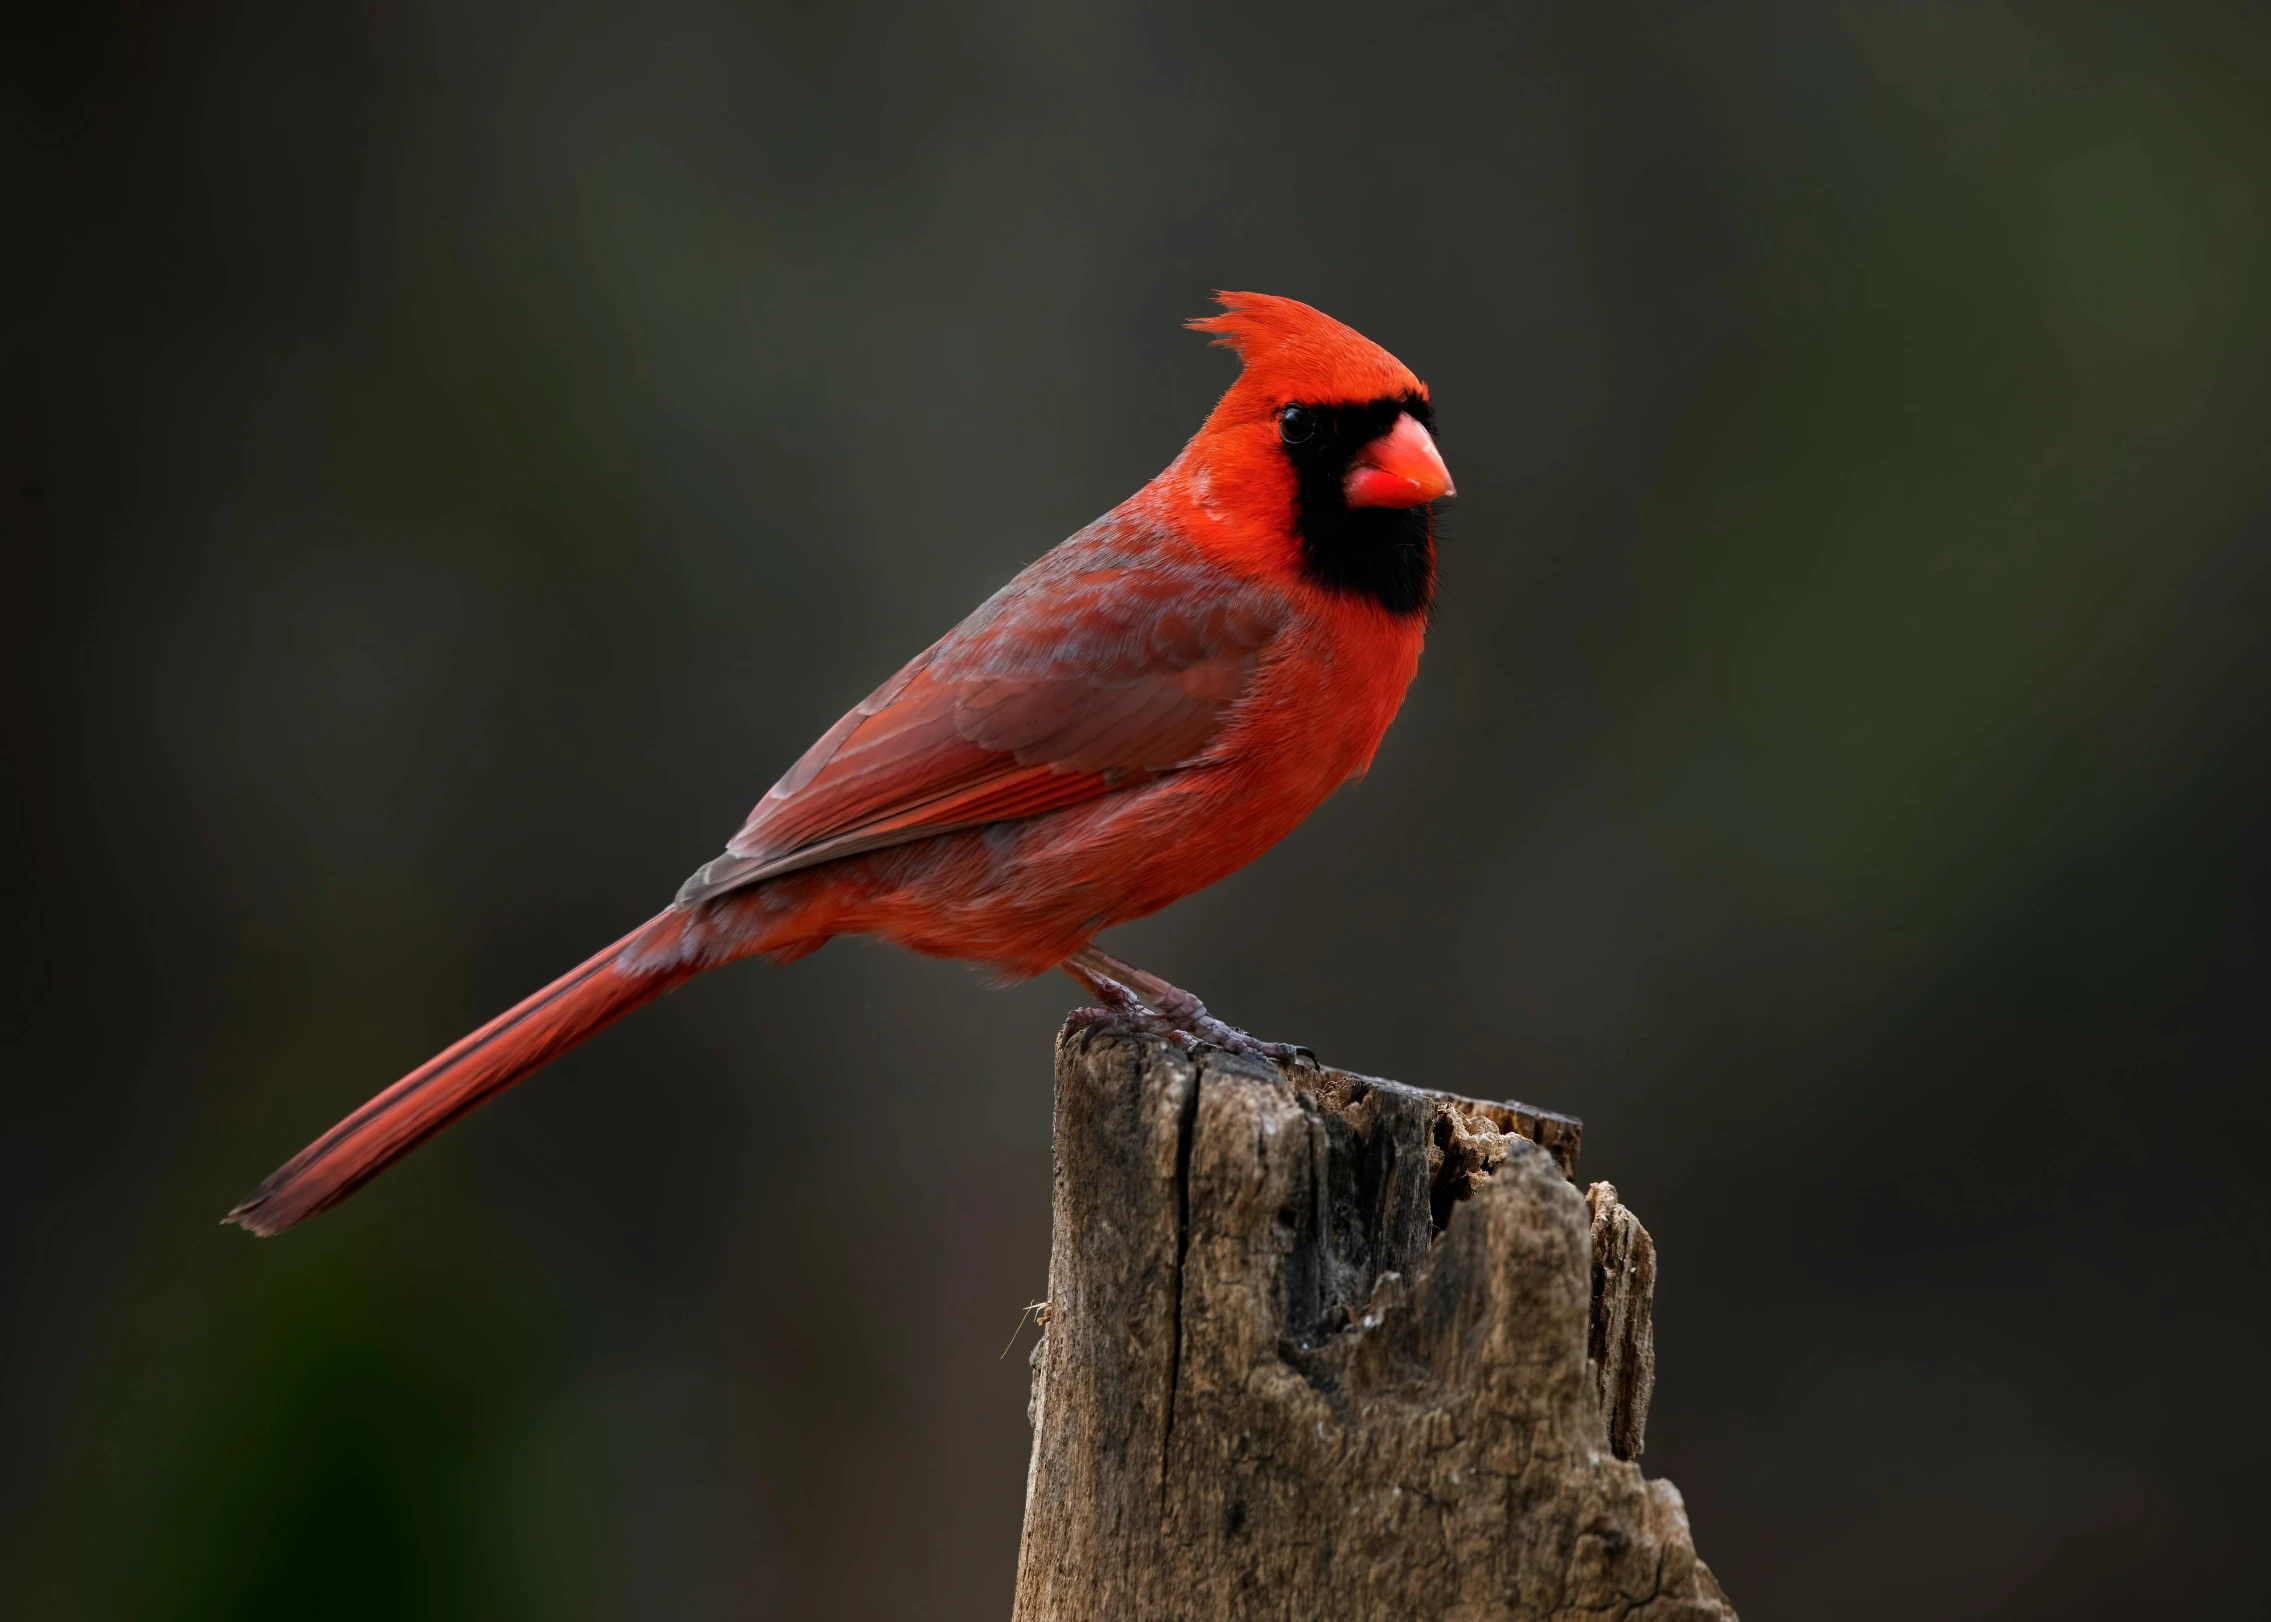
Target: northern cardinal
[1146, 709]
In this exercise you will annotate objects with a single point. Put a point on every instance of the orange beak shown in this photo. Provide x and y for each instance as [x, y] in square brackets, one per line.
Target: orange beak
[1402, 468]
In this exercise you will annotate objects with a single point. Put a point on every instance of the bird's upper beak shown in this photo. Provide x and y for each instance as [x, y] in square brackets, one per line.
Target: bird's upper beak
[1402, 468]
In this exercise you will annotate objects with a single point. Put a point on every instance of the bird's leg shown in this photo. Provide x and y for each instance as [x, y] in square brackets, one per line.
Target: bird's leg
[1150, 1004]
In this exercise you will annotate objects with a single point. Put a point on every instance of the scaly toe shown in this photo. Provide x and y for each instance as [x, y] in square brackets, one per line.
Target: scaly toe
[1229, 1037]
[1209, 1029]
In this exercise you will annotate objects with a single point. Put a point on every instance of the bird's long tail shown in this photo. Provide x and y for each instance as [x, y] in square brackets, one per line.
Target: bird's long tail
[580, 1003]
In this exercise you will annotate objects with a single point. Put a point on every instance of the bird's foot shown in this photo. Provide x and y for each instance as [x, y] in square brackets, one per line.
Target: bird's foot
[1124, 1009]
[1160, 1009]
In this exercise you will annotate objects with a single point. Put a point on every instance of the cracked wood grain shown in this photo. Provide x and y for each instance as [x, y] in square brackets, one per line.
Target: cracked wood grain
[1320, 1345]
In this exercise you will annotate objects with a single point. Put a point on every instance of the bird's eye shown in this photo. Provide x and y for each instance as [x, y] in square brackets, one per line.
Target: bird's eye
[1296, 426]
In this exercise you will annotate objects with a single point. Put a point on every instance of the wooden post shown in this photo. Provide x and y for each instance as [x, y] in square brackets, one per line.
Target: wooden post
[1321, 1346]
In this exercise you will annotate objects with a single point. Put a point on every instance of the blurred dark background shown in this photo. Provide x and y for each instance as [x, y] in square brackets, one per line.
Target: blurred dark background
[456, 456]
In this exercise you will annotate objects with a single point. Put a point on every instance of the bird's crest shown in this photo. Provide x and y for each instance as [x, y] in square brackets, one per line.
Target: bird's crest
[1296, 353]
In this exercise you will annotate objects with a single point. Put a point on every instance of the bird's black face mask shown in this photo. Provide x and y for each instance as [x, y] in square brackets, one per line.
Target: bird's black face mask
[1386, 554]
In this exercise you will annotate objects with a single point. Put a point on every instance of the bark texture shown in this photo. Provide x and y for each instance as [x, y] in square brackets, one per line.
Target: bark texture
[1622, 1339]
[1325, 1346]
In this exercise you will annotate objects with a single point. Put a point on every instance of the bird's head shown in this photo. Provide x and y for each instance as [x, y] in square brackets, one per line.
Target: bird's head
[1321, 458]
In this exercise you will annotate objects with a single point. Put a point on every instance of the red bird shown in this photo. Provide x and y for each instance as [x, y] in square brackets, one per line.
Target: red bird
[1146, 709]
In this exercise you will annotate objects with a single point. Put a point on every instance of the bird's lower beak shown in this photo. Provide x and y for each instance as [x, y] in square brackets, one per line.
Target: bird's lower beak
[1402, 468]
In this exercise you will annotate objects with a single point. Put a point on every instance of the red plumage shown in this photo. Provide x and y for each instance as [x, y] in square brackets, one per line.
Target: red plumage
[1144, 710]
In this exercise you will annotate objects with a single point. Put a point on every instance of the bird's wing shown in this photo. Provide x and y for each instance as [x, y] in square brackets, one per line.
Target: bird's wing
[1082, 676]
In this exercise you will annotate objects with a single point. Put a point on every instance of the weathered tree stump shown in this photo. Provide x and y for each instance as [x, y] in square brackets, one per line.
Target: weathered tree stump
[1320, 1346]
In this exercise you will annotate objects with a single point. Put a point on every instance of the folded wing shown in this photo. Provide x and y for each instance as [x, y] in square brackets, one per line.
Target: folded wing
[1081, 677]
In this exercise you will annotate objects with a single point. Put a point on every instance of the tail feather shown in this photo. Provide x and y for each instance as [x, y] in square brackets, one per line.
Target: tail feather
[531, 1033]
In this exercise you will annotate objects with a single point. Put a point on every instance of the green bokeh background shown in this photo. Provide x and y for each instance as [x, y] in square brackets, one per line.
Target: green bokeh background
[457, 455]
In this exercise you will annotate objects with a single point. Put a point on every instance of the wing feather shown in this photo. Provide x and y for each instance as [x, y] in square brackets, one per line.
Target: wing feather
[1090, 673]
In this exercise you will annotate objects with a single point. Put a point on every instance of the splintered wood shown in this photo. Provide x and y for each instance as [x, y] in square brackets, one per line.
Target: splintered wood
[1325, 1346]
